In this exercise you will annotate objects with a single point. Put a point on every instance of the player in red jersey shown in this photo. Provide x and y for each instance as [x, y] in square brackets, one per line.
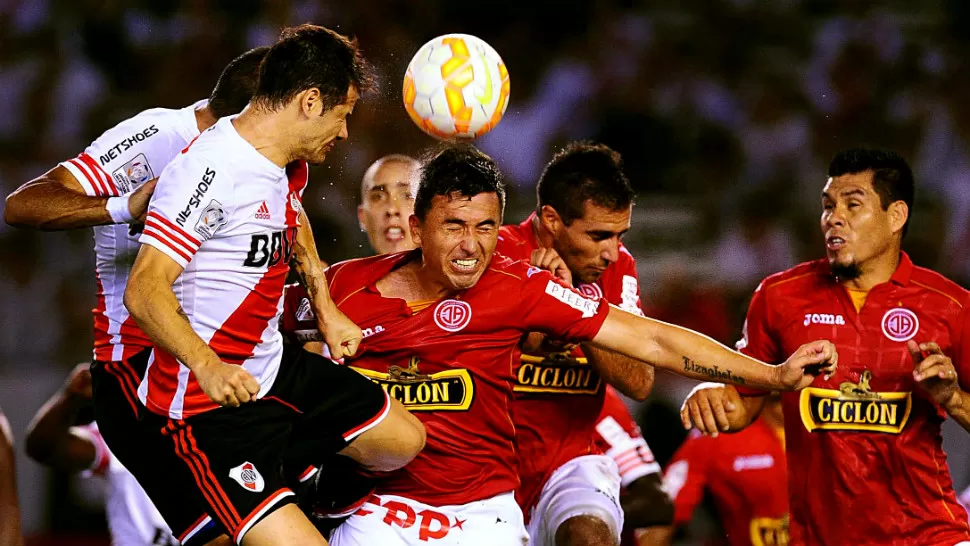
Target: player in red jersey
[443, 324]
[644, 501]
[386, 202]
[583, 211]
[9, 505]
[745, 474]
[224, 223]
[866, 464]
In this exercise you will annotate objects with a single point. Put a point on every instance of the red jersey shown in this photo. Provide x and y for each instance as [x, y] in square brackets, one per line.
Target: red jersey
[619, 437]
[558, 396]
[867, 441]
[744, 474]
[452, 364]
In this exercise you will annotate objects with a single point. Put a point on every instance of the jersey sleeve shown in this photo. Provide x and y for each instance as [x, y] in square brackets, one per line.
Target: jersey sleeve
[686, 477]
[620, 437]
[125, 156]
[102, 455]
[626, 295]
[757, 337]
[546, 305]
[191, 203]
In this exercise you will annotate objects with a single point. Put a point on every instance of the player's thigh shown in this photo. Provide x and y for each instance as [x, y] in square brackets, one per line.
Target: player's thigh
[391, 443]
[585, 486]
[283, 527]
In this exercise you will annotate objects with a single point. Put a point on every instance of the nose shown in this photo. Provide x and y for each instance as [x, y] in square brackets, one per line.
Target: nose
[611, 250]
[469, 243]
[834, 218]
[343, 134]
[393, 207]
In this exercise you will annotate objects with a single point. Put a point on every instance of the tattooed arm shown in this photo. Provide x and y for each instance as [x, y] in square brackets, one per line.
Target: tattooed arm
[341, 334]
[152, 303]
[694, 355]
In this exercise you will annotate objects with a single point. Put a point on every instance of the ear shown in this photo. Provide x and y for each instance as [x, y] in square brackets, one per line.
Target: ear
[311, 102]
[360, 217]
[898, 214]
[550, 220]
[415, 225]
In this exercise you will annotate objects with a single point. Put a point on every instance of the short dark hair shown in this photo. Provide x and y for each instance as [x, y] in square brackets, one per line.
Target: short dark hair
[307, 57]
[892, 179]
[458, 169]
[584, 171]
[237, 83]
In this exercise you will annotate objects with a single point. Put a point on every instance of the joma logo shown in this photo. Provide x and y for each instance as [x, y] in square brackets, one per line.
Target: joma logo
[823, 318]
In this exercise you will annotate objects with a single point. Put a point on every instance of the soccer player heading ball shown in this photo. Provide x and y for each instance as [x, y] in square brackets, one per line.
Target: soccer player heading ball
[865, 460]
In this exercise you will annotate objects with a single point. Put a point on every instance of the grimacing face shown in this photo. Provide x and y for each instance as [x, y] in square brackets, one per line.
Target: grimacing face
[591, 243]
[387, 203]
[324, 128]
[458, 237]
[854, 224]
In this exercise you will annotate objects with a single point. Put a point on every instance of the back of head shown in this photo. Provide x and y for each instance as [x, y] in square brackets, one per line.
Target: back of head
[237, 83]
[892, 178]
[307, 57]
[580, 172]
[461, 170]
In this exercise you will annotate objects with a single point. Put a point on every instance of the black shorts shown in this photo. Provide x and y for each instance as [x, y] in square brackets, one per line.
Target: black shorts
[118, 413]
[236, 455]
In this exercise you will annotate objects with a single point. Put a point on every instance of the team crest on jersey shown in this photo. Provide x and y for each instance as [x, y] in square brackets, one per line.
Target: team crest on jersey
[448, 390]
[132, 174]
[213, 217]
[900, 324]
[590, 290]
[557, 372]
[855, 406]
[247, 476]
[769, 531]
[452, 315]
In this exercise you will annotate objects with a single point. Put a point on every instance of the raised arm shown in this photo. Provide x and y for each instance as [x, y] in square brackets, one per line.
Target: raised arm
[152, 303]
[694, 355]
[51, 439]
[340, 333]
[56, 200]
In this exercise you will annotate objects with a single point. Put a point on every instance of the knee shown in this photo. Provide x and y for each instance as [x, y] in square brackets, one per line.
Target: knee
[585, 531]
[412, 438]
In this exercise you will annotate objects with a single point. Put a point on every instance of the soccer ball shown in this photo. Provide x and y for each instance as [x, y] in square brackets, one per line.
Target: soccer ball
[456, 87]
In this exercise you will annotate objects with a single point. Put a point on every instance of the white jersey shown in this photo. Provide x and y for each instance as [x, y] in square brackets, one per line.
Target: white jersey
[228, 216]
[132, 518]
[118, 162]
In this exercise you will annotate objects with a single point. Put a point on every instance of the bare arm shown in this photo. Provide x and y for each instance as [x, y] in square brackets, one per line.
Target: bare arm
[56, 201]
[152, 303]
[713, 407]
[656, 536]
[9, 505]
[341, 334]
[50, 439]
[690, 354]
[646, 504]
[631, 377]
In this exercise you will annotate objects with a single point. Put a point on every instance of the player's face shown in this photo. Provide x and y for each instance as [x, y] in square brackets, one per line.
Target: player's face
[328, 127]
[854, 224]
[591, 243]
[458, 237]
[388, 202]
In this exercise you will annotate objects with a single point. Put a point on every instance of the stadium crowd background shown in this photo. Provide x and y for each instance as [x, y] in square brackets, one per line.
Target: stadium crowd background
[726, 113]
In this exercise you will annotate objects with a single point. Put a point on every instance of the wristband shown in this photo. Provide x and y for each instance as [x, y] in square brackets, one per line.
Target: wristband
[118, 209]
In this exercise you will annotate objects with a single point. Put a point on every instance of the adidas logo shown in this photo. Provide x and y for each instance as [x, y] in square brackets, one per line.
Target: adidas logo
[263, 212]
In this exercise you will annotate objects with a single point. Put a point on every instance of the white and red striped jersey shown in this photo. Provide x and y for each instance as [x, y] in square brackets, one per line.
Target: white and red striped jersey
[228, 216]
[118, 162]
[132, 518]
[619, 437]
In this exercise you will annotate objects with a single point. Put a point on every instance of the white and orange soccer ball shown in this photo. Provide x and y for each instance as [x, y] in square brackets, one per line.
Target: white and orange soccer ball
[456, 87]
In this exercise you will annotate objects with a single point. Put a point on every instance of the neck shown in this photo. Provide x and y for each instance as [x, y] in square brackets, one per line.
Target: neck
[543, 237]
[204, 118]
[265, 131]
[412, 282]
[876, 271]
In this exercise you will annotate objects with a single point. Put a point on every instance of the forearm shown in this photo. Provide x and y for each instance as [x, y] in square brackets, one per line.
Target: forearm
[157, 312]
[47, 205]
[682, 351]
[959, 408]
[49, 434]
[656, 536]
[631, 377]
[307, 264]
[9, 504]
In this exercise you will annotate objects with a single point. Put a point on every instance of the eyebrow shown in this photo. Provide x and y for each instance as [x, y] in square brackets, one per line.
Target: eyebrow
[847, 193]
[459, 222]
[606, 233]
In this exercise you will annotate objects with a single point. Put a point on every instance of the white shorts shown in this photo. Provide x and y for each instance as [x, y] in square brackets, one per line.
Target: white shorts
[389, 520]
[585, 486]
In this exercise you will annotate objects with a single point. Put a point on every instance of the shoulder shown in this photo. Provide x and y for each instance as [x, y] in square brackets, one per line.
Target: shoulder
[792, 280]
[512, 242]
[934, 282]
[505, 269]
[347, 277]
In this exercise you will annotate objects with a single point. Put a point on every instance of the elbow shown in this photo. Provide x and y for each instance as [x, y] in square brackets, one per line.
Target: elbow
[132, 299]
[643, 388]
[37, 447]
[14, 213]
